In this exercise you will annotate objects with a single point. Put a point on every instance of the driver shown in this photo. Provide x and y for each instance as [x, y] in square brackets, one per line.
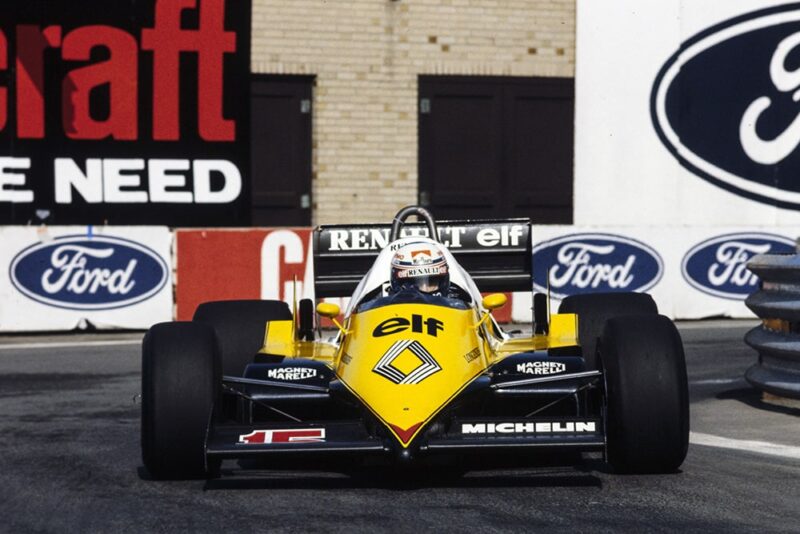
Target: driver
[419, 273]
[420, 266]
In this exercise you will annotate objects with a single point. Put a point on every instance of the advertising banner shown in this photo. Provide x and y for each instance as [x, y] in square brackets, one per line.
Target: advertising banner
[692, 272]
[61, 278]
[258, 263]
[687, 113]
[112, 110]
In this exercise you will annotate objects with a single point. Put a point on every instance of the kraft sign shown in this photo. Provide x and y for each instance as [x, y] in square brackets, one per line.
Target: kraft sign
[109, 108]
[593, 263]
[718, 266]
[726, 105]
[88, 273]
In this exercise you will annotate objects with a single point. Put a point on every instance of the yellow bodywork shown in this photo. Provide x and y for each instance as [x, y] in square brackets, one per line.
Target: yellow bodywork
[279, 339]
[405, 362]
[408, 371]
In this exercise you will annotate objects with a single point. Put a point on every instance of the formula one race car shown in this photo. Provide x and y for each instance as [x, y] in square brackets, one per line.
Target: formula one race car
[419, 367]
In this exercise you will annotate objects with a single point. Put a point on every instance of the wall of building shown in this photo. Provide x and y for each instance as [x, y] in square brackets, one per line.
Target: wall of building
[367, 55]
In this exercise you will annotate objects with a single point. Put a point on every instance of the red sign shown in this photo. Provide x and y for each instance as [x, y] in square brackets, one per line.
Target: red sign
[240, 264]
[167, 39]
[124, 112]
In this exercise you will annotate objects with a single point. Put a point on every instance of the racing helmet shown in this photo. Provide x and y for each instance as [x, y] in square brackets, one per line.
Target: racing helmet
[421, 266]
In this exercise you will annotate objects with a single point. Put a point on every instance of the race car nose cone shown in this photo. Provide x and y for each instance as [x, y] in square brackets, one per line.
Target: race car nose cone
[405, 362]
[405, 435]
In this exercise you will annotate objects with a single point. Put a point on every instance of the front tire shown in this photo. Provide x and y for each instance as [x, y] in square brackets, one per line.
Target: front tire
[647, 394]
[239, 326]
[594, 309]
[180, 383]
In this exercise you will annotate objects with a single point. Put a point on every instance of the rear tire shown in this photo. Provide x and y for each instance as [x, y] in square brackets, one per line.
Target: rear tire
[180, 384]
[594, 309]
[647, 394]
[239, 327]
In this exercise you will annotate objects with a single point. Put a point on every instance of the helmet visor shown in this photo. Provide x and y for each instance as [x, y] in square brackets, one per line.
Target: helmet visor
[426, 279]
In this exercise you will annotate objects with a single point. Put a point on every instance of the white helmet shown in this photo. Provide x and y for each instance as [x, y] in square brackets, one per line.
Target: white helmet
[421, 266]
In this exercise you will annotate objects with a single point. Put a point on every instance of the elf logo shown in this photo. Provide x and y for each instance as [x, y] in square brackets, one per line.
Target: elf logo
[395, 325]
[739, 79]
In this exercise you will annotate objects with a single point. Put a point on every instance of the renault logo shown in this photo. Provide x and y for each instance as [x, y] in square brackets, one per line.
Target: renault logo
[406, 362]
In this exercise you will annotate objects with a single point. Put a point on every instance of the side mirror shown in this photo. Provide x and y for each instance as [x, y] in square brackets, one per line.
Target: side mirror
[331, 311]
[326, 309]
[494, 301]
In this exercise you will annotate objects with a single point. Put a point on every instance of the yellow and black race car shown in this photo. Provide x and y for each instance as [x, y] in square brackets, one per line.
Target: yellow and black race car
[418, 367]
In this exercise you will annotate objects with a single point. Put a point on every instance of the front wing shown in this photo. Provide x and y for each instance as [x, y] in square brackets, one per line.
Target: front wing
[455, 430]
[342, 437]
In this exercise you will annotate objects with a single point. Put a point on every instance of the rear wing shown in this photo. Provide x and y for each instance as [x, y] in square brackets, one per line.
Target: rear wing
[496, 253]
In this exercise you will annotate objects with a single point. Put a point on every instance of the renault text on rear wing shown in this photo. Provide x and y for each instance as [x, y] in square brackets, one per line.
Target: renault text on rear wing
[496, 253]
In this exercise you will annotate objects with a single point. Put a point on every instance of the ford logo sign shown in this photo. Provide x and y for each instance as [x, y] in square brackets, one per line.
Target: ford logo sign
[726, 105]
[718, 266]
[594, 263]
[88, 273]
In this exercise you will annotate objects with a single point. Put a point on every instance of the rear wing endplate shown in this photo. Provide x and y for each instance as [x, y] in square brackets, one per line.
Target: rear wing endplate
[496, 252]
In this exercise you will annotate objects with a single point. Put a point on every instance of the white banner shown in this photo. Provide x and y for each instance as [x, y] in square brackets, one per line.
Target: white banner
[692, 272]
[687, 113]
[64, 277]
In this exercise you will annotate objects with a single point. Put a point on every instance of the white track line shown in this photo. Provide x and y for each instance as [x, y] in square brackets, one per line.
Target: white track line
[715, 324]
[58, 345]
[763, 447]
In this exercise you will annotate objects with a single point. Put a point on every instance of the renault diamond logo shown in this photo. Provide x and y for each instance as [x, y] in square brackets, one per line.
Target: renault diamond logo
[406, 362]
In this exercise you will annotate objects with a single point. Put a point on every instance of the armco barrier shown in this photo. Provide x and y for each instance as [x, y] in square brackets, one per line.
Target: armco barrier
[777, 339]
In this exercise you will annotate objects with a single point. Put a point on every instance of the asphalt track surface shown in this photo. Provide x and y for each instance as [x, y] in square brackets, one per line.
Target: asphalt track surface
[70, 462]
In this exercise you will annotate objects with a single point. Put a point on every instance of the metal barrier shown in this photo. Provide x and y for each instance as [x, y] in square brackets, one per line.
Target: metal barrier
[777, 339]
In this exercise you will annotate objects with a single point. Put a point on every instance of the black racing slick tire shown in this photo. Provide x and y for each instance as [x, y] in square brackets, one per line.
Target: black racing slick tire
[180, 384]
[647, 394]
[594, 309]
[239, 327]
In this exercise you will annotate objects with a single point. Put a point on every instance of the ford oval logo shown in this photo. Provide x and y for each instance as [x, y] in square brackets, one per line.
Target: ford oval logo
[718, 266]
[88, 273]
[593, 263]
[726, 105]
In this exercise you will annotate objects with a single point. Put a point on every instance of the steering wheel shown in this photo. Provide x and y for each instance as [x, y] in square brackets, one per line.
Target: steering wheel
[400, 220]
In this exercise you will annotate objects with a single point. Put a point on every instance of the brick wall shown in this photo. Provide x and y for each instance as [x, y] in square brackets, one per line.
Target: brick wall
[367, 54]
